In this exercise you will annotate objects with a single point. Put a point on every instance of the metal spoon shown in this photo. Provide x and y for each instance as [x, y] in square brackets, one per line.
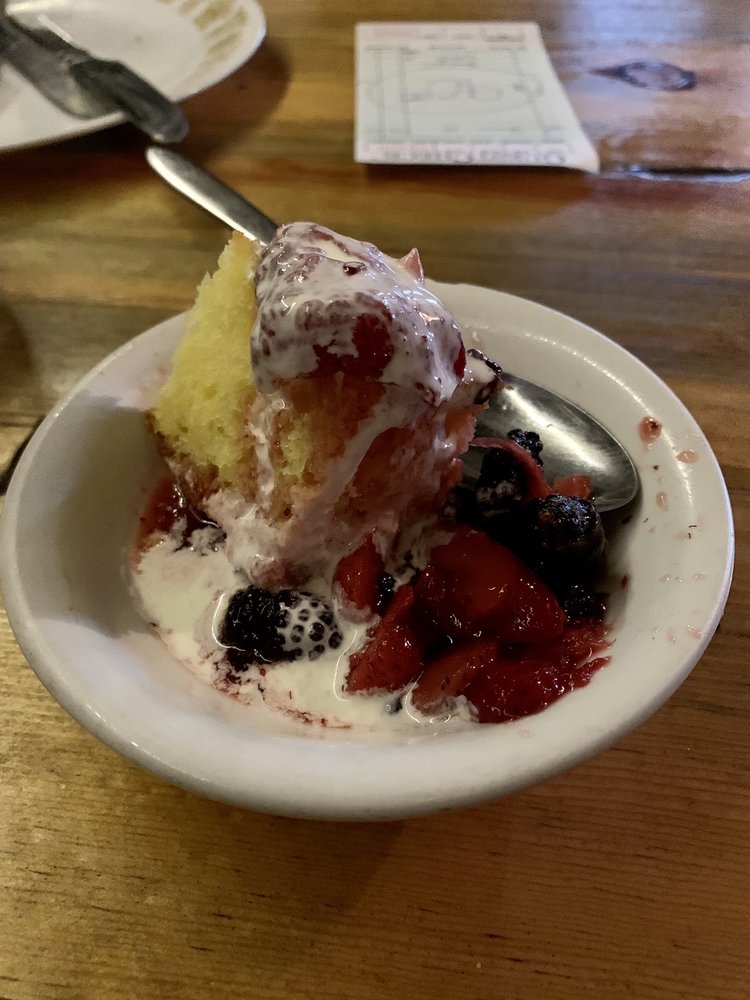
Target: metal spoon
[574, 442]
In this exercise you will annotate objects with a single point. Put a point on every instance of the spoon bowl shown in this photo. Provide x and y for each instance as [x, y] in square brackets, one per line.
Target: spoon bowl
[574, 442]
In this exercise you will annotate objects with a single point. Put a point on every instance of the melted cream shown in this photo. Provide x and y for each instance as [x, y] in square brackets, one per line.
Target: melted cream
[328, 299]
[183, 591]
[313, 540]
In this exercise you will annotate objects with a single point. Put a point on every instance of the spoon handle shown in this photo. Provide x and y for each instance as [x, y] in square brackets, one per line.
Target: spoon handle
[210, 193]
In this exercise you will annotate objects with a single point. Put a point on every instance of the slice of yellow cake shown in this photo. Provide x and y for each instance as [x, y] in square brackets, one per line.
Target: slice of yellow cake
[201, 412]
[319, 396]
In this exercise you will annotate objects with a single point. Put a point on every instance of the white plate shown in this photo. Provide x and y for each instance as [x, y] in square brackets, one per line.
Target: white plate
[69, 521]
[181, 48]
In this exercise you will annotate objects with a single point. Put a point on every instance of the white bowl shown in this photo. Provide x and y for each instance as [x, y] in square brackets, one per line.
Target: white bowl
[69, 522]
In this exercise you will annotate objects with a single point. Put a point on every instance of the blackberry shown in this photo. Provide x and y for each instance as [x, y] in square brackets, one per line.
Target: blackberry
[385, 586]
[529, 441]
[460, 504]
[501, 484]
[581, 603]
[564, 532]
[495, 501]
[260, 627]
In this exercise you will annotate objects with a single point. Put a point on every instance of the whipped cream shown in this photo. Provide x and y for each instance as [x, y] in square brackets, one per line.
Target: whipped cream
[276, 553]
[183, 590]
[330, 303]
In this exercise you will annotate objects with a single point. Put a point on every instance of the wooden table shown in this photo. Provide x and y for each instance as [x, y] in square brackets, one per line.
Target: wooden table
[628, 877]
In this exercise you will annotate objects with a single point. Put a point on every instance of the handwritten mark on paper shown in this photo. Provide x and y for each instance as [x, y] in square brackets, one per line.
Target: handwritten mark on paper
[463, 93]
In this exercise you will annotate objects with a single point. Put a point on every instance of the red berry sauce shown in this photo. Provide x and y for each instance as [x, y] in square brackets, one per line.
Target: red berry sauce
[478, 622]
[167, 506]
[649, 429]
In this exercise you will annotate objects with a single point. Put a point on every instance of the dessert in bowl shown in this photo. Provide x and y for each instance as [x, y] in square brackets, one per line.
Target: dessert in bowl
[86, 478]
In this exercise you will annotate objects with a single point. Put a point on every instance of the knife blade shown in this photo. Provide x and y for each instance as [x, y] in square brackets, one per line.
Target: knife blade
[50, 77]
[85, 86]
[210, 193]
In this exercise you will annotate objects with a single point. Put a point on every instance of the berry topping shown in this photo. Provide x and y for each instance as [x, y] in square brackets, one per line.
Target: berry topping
[533, 482]
[371, 349]
[581, 603]
[501, 487]
[386, 583]
[263, 628]
[474, 586]
[529, 441]
[328, 303]
[448, 676]
[358, 575]
[169, 509]
[528, 680]
[565, 531]
[392, 656]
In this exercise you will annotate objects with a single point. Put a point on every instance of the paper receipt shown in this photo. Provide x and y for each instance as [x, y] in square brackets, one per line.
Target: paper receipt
[463, 93]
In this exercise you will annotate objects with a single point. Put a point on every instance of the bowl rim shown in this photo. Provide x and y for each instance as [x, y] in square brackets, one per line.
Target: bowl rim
[308, 794]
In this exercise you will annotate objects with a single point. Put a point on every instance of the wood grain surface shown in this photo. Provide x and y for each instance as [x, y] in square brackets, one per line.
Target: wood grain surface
[629, 877]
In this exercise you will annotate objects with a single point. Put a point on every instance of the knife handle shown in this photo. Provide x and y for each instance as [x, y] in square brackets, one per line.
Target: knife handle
[141, 103]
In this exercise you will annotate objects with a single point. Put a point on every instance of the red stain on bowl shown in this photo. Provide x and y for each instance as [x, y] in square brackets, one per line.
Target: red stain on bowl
[649, 429]
[688, 455]
[662, 500]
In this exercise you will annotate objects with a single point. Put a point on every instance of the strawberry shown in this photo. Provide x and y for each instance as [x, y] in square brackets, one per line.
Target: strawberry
[450, 674]
[473, 586]
[400, 611]
[526, 681]
[392, 656]
[513, 689]
[371, 339]
[358, 575]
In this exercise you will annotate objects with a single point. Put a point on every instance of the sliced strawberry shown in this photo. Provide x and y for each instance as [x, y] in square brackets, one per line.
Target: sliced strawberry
[389, 661]
[358, 573]
[400, 610]
[450, 674]
[525, 682]
[473, 586]
[512, 690]
[393, 655]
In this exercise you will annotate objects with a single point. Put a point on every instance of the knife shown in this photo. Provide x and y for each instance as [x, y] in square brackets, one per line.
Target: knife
[210, 193]
[84, 86]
